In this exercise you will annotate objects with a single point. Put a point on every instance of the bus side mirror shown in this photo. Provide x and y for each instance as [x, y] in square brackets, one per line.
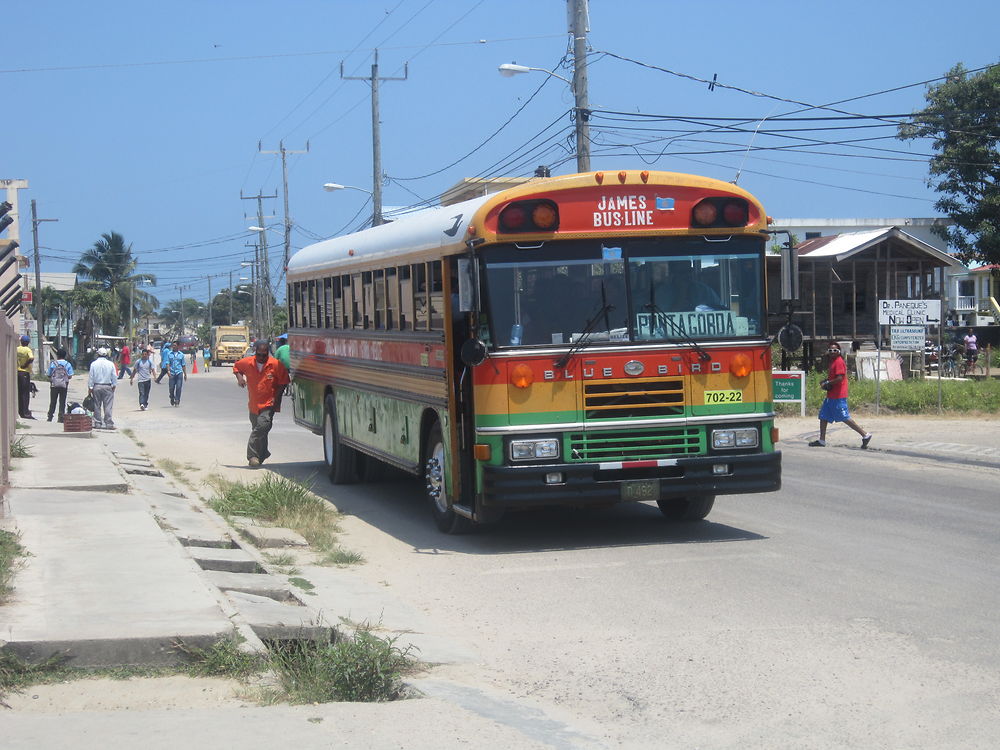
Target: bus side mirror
[473, 352]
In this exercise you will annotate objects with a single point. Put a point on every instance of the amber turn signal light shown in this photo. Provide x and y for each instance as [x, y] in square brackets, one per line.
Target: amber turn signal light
[521, 376]
[740, 365]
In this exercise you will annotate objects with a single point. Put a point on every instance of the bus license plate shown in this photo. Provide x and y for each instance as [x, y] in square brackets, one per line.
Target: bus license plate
[723, 397]
[641, 489]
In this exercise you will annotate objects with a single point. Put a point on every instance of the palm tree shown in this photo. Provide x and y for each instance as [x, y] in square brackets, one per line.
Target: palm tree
[110, 267]
[96, 304]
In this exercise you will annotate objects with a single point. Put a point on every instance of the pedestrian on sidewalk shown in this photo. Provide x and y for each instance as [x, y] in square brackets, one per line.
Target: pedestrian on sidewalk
[834, 408]
[177, 365]
[25, 358]
[60, 373]
[265, 379]
[144, 372]
[164, 361]
[101, 383]
[124, 360]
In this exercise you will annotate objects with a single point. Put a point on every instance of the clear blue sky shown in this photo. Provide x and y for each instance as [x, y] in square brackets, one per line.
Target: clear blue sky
[144, 118]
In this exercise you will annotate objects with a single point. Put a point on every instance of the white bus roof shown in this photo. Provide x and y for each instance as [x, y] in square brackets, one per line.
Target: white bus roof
[419, 231]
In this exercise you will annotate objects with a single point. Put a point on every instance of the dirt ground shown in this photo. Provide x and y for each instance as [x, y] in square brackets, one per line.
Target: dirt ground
[136, 693]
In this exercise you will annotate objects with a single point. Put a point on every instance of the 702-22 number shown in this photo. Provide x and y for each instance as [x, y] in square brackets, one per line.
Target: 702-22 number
[723, 397]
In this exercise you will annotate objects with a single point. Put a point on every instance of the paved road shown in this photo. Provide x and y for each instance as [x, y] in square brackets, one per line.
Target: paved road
[855, 608]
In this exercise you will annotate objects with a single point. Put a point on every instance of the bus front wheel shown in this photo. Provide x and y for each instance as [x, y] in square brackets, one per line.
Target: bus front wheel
[435, 471]
[687, 508]
[341, 460]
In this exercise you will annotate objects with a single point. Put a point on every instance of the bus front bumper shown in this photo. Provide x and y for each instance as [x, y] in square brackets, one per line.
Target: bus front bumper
[589, 484]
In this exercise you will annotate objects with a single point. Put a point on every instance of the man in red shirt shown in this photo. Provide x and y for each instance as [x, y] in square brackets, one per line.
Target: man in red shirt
[265, 379]
[834, 408]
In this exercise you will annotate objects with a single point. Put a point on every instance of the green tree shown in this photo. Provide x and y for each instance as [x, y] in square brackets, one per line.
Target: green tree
[962, 117]
[110, 267]
[242, 304]
[95, 305]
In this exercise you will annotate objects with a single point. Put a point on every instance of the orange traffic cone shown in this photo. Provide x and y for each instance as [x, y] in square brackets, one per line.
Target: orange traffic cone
[194, 363]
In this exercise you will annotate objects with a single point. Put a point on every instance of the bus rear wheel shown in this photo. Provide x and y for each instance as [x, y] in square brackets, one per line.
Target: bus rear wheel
[435, 471]
[341, 460]
[687, 508]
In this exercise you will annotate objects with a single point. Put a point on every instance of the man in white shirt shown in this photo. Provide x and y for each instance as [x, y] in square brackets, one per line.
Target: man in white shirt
[101, 383]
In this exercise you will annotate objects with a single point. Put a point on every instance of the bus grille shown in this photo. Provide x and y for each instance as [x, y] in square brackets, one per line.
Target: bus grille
[634, 398]
[635, 445]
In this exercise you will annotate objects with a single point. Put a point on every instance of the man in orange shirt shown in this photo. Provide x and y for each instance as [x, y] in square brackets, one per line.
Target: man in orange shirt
[265, 379]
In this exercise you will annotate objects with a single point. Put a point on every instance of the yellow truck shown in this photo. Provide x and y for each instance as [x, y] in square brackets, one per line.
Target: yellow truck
[229, 343]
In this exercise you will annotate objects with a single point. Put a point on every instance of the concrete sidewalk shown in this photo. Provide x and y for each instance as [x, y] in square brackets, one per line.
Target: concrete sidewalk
[104, 585]
[972, 440]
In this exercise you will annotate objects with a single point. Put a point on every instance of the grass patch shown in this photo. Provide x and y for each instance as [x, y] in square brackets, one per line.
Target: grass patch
[911, 396]
[281, 502]
[11, 553]
[225, 658]
[361, 667]
[128, 432]
[20, 448]
[281, 559]
[15, 674]
[175, 470]
[341, 557]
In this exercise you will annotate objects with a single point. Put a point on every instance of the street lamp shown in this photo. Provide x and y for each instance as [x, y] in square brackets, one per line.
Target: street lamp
[509, 70]
[331, 187]
[582, 109]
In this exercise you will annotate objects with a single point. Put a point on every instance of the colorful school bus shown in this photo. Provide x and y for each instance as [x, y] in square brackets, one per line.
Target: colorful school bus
[579, 340]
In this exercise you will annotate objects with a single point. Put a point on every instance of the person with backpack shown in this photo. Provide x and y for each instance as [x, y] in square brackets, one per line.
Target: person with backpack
[60, 372]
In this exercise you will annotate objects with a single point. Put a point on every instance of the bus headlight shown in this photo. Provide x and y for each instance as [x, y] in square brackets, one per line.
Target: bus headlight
[529, 450]
[743, 437]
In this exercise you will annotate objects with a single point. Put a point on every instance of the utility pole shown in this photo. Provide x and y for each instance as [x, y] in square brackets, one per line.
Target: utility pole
[376, 137]
[232, 293]
[579, 18]
[264, 271]
[253, 286]
[39, 307]
[284, 182]
[210, 321]
[180, 305]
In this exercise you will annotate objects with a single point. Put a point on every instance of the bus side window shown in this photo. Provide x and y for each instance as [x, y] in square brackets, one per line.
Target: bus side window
[337, 307]
[347, 302]
[312, 302]
[421, 316]
[436, 296]
[298, 304]
[391, 298]
[357, 302]
[327, 302]
[379, 306]
[406, 316]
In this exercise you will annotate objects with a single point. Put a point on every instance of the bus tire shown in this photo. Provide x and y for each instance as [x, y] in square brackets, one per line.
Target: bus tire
[370, 469]
[435, 471]
[687, 508]
[341, 460]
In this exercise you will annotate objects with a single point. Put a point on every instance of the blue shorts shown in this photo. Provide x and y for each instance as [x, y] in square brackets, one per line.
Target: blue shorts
[834, 410]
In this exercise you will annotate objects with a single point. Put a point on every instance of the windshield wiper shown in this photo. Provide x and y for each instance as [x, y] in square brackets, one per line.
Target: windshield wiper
[678, 331]
[584, 336]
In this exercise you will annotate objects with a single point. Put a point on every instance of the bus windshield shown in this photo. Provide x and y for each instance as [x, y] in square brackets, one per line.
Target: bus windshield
[627, 290]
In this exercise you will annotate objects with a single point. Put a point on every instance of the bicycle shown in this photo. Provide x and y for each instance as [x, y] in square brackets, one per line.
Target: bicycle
[972, 367]
[949, 365]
